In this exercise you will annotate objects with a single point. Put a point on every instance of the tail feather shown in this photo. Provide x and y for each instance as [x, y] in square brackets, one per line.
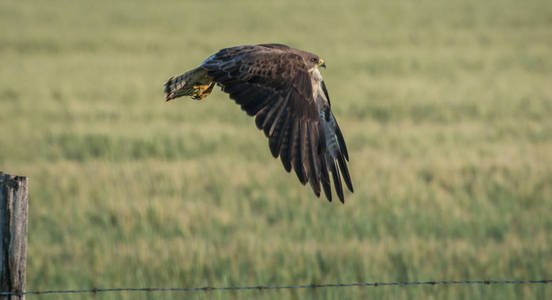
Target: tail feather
[195, 83]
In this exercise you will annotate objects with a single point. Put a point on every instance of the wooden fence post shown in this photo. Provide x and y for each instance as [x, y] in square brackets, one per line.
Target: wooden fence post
[13, 235]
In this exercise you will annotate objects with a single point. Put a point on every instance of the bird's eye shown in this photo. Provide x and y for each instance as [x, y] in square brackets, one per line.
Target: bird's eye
[314, 59]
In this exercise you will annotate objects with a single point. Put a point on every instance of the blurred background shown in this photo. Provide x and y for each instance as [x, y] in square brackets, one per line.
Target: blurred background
[445, 106]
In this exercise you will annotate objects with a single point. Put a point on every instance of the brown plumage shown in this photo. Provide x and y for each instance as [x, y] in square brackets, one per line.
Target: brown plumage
[282, 87]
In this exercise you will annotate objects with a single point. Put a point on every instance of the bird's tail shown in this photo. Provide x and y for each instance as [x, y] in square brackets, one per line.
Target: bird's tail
[195, 83]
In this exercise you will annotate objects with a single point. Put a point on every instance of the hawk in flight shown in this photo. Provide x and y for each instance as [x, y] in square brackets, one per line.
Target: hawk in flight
[283, 88]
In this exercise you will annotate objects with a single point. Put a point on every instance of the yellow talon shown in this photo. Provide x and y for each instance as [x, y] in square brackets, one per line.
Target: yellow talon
[202, 91]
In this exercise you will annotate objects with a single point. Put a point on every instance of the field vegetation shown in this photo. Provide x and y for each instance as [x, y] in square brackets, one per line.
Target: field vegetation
[446, 107]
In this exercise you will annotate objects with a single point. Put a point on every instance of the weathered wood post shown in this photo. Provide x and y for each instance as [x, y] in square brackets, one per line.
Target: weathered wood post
[13, 235]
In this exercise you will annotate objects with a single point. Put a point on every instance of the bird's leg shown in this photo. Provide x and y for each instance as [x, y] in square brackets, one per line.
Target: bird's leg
[202, 91]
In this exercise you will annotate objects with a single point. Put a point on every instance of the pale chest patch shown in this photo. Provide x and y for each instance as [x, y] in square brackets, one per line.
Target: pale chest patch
[317, 92]
[316, 76]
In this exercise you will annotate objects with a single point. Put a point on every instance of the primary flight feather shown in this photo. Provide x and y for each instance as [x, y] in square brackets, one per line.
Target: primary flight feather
[283, 88]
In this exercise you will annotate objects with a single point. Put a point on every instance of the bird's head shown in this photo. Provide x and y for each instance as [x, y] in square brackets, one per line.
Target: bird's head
[312, 60]
[316, 61]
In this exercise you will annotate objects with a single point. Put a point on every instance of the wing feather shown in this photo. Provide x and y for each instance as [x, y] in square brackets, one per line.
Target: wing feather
[275, 140]
[303, 150]
[325, 179]
[270, 130]
[341, 141]
[296, 152]
[314, 162]
[345, 172]
[271, 115]
[285, 151]
[336, 179]
[267, 114]
[260, 117]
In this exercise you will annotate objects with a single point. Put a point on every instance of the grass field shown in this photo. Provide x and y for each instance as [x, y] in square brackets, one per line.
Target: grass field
[446, 107]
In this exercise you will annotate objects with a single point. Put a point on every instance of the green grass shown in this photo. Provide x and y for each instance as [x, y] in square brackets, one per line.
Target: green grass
[446, 107]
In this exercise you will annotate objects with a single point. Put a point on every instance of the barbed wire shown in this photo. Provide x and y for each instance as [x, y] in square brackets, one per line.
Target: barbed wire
[281, 287]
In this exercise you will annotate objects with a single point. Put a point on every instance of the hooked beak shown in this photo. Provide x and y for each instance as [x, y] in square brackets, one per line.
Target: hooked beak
[322, 63]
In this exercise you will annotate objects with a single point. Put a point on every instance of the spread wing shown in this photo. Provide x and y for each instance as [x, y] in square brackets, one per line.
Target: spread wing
[272, 83]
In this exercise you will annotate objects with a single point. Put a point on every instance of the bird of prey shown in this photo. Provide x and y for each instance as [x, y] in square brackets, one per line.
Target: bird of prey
[283, 89]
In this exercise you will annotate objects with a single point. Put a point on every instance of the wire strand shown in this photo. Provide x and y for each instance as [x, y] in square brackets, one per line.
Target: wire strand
[280, 287]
